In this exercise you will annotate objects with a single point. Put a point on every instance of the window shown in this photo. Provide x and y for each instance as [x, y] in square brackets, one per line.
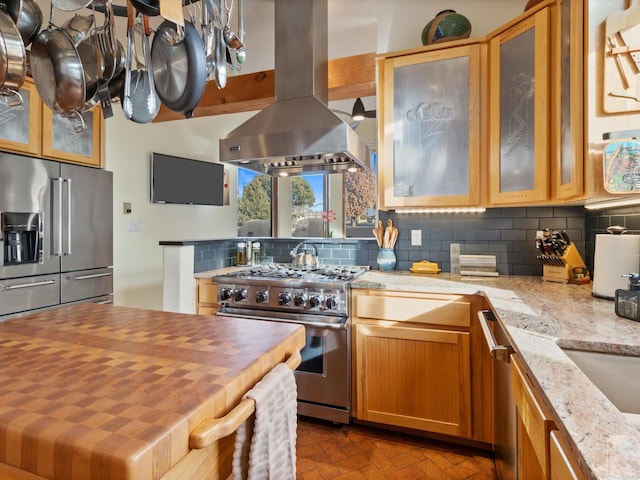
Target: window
[360, 192]
[254, 204]
[308, 198]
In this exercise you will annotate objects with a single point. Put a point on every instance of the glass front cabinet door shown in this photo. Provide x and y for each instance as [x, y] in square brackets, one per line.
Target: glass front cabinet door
[519, 112]
[429, 140]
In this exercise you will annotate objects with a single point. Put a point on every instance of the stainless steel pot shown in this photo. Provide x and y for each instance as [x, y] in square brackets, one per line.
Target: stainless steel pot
[13, 66]
[304, 260]
[58, 71]
[29, 20]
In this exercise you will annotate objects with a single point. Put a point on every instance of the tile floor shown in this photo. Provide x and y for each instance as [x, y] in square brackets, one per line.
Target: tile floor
[353, 452]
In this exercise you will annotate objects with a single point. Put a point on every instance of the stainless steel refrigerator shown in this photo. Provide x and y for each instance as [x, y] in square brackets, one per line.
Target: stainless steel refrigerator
[56, 243]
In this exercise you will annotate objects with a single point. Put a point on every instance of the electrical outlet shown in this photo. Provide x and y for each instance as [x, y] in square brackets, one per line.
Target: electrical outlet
[416, 238]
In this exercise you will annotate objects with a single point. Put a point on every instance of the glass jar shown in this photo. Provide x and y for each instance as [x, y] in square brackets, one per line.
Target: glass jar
[241, 254]
[255, 253]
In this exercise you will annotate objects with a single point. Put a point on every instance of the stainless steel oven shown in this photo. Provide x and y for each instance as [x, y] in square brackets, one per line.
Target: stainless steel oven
[318, 300]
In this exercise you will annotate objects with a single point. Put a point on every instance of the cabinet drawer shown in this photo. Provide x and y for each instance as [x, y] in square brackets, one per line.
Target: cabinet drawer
[532, 416]
[449, 310]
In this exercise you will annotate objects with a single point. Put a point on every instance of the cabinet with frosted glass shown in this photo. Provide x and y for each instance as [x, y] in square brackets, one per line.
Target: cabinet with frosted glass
[429, 136]
[519, 106]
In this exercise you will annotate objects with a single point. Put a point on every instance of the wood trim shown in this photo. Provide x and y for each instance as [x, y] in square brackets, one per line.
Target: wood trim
[349, 77]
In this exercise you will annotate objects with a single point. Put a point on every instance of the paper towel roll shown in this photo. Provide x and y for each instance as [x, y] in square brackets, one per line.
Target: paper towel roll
[615, 256]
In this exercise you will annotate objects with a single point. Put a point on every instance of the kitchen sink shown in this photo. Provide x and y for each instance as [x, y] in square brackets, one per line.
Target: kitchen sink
[617, 376]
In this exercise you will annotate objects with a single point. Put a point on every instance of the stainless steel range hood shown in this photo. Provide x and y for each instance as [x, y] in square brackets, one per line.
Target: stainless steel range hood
[297, 133]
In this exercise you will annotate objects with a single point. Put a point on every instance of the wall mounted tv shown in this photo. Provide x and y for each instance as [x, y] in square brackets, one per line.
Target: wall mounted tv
[185, 181]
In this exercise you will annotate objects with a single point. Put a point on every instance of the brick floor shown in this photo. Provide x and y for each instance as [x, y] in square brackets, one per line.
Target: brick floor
[354, 452]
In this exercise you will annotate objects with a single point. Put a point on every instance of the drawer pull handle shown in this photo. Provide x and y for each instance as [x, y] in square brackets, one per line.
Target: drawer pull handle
[95, 275]
[26, 285]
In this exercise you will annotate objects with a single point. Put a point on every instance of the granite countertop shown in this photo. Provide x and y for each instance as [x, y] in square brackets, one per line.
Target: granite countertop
[541, 317]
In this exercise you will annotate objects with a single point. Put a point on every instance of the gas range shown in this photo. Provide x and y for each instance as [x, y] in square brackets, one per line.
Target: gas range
[279, 287]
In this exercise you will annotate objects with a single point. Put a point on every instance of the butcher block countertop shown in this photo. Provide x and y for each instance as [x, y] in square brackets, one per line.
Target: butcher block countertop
[104, 392]
[542, 318]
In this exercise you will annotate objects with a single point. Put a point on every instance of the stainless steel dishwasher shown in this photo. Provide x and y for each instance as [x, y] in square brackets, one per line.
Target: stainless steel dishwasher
[504, 410]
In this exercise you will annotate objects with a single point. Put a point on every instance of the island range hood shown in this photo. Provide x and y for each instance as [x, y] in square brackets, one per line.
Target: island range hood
[297, 133]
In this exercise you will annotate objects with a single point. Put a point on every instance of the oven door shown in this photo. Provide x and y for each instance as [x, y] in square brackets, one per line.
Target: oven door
[324, 376]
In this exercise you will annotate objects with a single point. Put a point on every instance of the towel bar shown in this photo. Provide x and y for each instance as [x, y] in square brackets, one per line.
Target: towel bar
[214, 429]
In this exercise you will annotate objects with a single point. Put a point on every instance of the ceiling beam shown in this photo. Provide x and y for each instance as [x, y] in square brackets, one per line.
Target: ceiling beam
[349, 77]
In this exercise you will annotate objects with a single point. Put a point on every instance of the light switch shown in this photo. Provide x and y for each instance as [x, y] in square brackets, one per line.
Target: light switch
[135, 226]
[416, 238]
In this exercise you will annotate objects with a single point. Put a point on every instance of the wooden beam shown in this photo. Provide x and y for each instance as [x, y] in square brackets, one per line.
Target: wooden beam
[349, 77]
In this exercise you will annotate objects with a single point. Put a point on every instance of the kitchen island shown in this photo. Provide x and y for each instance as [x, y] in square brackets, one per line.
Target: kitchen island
[542, 318]
[100, 391]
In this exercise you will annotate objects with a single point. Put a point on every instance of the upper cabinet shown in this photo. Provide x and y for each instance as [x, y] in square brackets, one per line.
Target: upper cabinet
[429, 137]
[29, 127]
[519, 142]
[567, 78]
[490, 121]
[20, 124]
[76, 138]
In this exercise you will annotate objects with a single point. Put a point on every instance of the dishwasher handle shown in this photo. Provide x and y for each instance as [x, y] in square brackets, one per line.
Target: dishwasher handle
[499, 352]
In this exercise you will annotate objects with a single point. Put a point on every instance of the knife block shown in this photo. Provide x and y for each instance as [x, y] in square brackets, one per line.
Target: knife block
[564, 273]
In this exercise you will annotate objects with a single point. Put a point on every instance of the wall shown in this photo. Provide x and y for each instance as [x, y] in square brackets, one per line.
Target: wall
[357, 26]
[507, 233]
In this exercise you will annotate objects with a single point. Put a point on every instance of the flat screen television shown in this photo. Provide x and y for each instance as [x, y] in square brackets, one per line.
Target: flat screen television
[186, 181]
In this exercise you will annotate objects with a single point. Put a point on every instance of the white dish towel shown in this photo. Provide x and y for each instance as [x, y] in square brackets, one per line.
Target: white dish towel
[265, 446]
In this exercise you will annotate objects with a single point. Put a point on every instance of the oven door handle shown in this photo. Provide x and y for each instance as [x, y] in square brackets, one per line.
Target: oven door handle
[334, 326]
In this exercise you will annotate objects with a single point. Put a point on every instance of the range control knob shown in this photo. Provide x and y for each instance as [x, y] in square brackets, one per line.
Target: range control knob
[262, 296]
[240, 295]
[284, 298]
[300, 300]
[315, 301]
[331, 302]
[226, 293]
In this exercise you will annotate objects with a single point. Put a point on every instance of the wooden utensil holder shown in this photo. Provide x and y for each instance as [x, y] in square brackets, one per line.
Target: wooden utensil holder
[564, 273]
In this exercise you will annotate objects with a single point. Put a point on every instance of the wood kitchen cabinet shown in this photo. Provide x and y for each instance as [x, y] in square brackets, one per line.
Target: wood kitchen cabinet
[429, 133]
[34, 129]
[412, 363]
[519, 106]
[206, 296]
[63, 140]
[562, 464]
[20, 126]
[533, 426]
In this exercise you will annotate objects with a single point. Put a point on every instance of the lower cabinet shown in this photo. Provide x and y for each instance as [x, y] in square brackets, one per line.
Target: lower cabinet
[562, 465]
[533, 426]
[206, 296]
[412, 360]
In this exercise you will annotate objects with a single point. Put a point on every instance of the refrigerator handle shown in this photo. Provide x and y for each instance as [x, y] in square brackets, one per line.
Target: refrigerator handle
[499, 352]
[57, 214]
[68, 250]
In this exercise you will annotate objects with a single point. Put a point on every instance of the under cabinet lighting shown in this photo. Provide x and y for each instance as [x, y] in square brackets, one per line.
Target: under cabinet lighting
[442, 210]
[623, 202]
